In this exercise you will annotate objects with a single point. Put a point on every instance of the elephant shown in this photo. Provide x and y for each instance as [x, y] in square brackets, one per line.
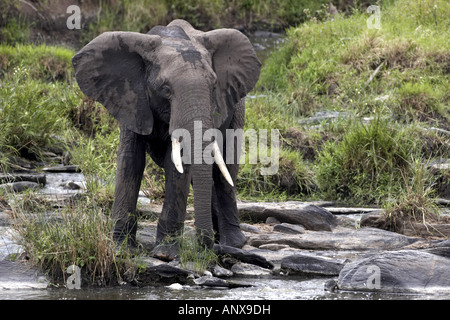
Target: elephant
[156, 84]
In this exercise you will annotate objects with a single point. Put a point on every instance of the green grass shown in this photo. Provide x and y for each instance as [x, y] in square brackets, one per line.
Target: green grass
[77, 234]
[331, 66]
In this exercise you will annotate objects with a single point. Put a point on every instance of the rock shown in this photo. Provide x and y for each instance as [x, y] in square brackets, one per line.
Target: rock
[218, 271]
[18, 177]
[20, 275]
[330, 285]
[209, 281]
[289, 228]
[353, 210]
[402, 271]
[161, 274]
[147, 237]
[249, 228]
[373, 220]
[20, 186]
[272, 221]
[63, 168]
[273, 246]
[242, 255]
[70, 186]
[249, 270]
[305, 264]
[310, 216]
[361, 239]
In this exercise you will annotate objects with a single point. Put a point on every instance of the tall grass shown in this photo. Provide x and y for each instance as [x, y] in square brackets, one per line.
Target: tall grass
[78, 234]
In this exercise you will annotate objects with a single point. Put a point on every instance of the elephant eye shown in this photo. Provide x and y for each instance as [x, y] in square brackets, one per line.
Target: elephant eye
[165, 91]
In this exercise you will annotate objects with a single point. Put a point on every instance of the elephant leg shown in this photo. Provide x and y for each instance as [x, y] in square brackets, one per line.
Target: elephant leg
[224, 206]
[171, 220]
[224, 210]
[130, 168]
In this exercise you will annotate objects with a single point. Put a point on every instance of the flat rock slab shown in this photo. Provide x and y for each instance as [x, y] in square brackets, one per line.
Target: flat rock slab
[360, 239]
[17, 177]
[68, 169]
[249, 270]
[310, 216]
[17, 275]
[405, 271]
[306, 264]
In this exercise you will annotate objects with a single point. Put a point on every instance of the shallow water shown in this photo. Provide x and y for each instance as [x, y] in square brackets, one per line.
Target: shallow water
[275, 288]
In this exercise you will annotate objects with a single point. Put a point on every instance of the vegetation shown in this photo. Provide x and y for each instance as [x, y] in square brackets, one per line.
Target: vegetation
[78, 234]
[388, 87]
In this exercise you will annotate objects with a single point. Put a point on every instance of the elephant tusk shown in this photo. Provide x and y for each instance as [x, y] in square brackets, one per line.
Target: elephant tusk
[176, 155]
[219, 161]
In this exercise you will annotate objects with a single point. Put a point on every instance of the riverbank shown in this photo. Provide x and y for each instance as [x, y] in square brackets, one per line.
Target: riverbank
[363, 120]
[290, 242]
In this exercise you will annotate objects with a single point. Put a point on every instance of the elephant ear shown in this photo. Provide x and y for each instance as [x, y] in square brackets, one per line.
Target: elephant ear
[236, 65]
[111, 70]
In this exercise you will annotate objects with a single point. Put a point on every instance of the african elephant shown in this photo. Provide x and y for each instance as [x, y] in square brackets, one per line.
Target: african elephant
[159, 82]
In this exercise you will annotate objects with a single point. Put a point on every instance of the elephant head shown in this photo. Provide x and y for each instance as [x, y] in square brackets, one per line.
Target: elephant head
[173, 75]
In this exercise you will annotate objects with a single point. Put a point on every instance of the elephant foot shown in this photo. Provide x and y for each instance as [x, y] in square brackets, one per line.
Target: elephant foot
[232, 238]
[166, 251]
[122, 239]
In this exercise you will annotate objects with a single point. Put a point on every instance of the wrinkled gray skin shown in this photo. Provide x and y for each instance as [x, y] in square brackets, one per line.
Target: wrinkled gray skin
[164, 80]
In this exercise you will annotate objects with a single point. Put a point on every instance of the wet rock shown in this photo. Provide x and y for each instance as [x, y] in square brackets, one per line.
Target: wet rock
[397, 272]
[70, 186]
[209, 281]
[161, 274]
[218, 271]
[20, 186]
[249, 270]
[330, 285]
[249, 228]
[273, 246]
[18, 177]
[310, 216]
[306, 264]
[289, 228]
[360, 239]
[63, 168]
[242, 255]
